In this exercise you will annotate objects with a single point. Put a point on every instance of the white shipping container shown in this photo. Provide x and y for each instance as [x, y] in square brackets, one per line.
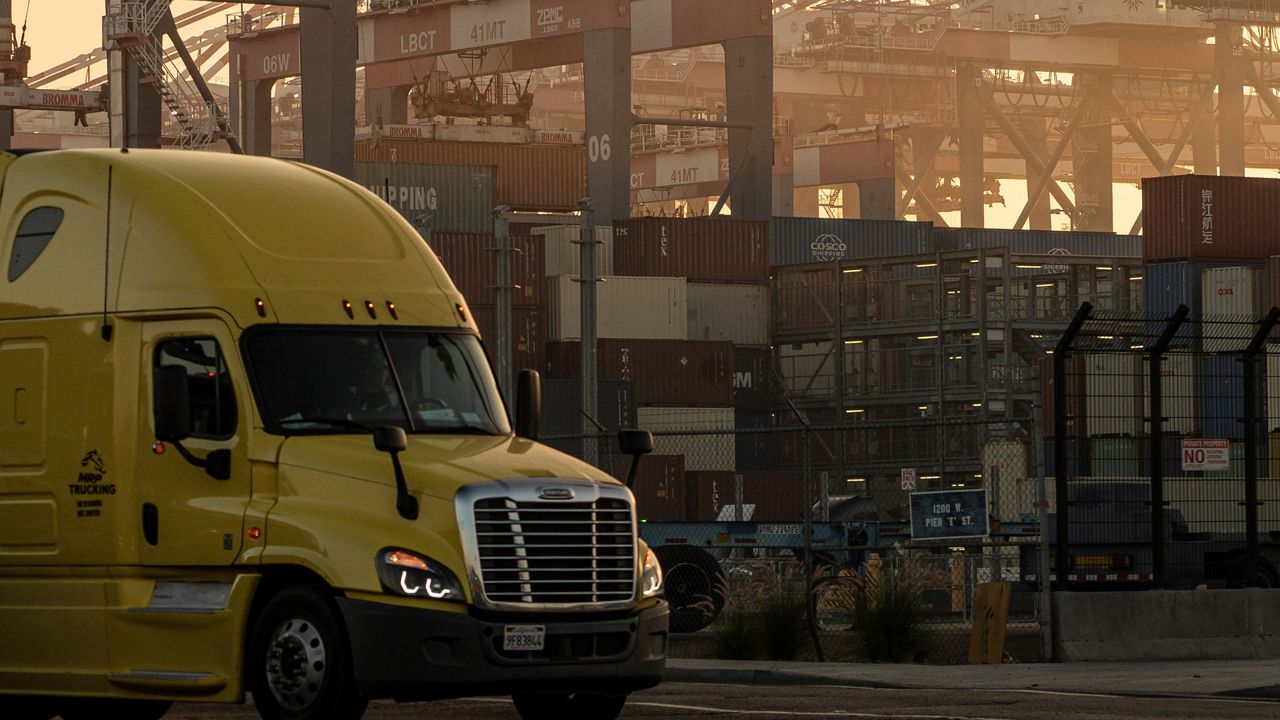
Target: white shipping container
[1114, 393]
[563, 249]
[715, 451]
[631, 308]
[1179, 391]
[1232, 293]
[737, 313]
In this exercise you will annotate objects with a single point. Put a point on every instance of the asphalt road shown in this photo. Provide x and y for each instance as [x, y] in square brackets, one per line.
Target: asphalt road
[676, 700]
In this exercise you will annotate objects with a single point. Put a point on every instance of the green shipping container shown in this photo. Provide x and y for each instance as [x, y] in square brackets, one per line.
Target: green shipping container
[436, 198]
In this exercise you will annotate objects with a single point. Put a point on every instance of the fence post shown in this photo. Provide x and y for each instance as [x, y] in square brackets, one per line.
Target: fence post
[1060, 354]
[1042, 501]
[1251, 416]
[1156, 440]
[587, 329]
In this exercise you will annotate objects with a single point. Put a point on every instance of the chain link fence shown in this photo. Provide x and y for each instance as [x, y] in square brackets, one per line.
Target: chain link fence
[742, 518]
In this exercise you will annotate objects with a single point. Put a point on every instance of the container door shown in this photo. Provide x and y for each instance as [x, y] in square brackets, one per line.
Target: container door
[188, 516]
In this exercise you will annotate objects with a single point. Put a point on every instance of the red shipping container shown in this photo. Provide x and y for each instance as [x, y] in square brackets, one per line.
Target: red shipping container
[470, 260]
[1273, 283]
[773, 496]
[528, 334]
[1076, 416]
[1210, 217]
[678, 373]
[528, 177]
[702, 250]
[659, 486]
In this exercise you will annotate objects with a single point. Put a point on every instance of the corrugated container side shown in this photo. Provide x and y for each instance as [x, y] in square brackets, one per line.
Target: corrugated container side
[436, 198]
[666, 372]
[736, 313]
[1273, 392]
[755, 450]
[528, 334]
[659, 486]
[1075, 395]
[714, 451]
[804, 299]
[799, 241]
[1230, 292]
[1222, 397]
[702, 250]
[1115, 457]
[563, 249]
[766, 496]
[1179, 392]
[528, 177]
[1272, 269]
[1113, 393]
[1077, 457]
[470, 261]
[1187, 217]
[562, 406]
[752, 379]
[1041, 242]
[654, 308]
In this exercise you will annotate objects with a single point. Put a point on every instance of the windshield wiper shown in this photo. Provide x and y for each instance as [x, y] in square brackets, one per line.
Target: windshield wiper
[330, 421]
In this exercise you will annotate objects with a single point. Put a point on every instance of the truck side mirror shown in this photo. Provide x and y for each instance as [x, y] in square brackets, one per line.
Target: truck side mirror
[528, 404]
[172, 404]
[634, 443]
[390, 439]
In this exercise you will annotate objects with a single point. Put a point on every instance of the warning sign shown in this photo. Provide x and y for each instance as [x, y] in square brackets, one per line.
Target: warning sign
[1203, 454]
[908, 478]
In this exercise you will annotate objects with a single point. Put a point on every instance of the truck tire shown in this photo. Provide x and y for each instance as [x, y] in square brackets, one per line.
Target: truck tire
[694, 586]
[568, 706]
[299, 660]
[96, 709]
[25, 707]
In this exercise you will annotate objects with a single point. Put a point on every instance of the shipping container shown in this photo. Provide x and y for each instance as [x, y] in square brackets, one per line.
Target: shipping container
[1273, 390]
[659, 486]
[526, 177]
[756, 441]
[471, 262]
[666, 372]
[1115, 457]
[1170, 455]
[1179, 392]
[766, 496]
[563, 249]
[1113, 393]
[702, 250]
[1040, 242]
[736, 313]
[528, 334]
[1208, 217]
[434, 198]
[1167, 285]
[1077, 455]
[1222, 397]
[752, 379]
[799, 241]
[710, 444]
[562, 407]
[652, 308]
[1231, 293]
[1272, 296]
[1074, 372]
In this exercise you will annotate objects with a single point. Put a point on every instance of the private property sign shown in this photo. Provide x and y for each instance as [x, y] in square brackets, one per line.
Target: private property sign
[1202, 454]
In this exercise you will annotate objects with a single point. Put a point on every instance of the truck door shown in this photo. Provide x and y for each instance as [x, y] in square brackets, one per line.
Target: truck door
[189, 517]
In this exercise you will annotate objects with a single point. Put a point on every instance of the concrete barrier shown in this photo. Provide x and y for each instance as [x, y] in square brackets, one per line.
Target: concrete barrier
[1166, 625]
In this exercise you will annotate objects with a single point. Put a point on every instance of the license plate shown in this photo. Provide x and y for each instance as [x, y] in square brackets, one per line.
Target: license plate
[524, 637]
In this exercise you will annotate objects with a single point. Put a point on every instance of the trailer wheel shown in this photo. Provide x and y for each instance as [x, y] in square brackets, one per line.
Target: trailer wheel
[695, 586]
[96, 709]
[566, 706]
[25, 707]
[299, 660]
[1265, 576]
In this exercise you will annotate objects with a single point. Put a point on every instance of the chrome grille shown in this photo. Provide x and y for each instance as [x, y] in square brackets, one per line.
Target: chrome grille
[555, 552]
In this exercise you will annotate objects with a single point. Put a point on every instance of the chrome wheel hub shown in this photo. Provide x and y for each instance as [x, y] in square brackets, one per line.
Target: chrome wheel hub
[295, 664]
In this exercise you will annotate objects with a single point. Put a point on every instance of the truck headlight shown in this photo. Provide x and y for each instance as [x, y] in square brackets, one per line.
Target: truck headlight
[411, 575]
[651, 576]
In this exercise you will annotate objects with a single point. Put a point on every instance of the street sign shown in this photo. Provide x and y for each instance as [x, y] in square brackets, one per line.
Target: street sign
[949, 514]
[1205, 454]
[908, 478]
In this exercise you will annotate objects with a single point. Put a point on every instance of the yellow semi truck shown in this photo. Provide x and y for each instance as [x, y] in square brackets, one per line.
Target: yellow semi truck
[250, 444]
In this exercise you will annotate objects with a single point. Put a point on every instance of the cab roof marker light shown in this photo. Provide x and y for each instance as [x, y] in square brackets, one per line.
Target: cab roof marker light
[373, 309]
[351, 313]
[261, 306]
[391, 308]
[462, 312]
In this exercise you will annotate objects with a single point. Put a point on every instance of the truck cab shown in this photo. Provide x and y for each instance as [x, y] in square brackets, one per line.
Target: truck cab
[250, 443]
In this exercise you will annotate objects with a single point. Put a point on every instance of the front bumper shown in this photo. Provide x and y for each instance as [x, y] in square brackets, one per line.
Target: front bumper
[412, 654]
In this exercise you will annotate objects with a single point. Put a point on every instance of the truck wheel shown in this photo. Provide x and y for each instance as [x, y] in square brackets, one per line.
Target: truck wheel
[1265, 576]
[25, 707]
[695, 586]
[299, 660]
[566, 706]
[96, 709]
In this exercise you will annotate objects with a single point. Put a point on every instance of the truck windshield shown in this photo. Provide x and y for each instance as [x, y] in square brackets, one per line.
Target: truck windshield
[322, 381]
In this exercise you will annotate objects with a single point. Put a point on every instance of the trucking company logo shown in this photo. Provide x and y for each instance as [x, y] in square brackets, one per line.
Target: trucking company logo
[827, 248]
[90, 482]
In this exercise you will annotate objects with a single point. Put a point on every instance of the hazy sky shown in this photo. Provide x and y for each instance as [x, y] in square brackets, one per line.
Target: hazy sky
[58, 30]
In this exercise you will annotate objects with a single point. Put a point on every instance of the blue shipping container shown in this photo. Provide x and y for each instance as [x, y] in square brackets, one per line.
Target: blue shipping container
[803, 241]
[1222, 399]
[1041, 242]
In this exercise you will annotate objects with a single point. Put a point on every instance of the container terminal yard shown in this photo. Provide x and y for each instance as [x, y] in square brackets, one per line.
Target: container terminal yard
[835, 255]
